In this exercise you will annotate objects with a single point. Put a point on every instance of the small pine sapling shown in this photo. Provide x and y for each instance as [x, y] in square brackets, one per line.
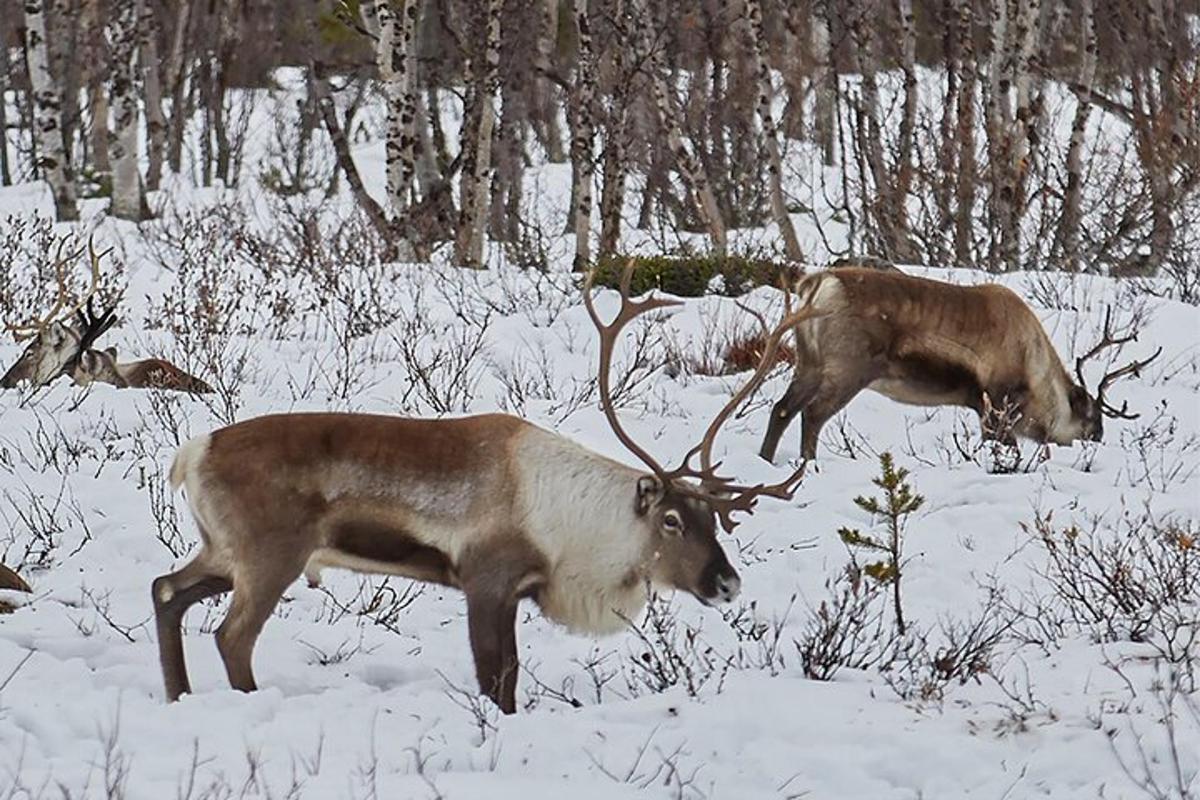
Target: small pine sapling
[896, 504]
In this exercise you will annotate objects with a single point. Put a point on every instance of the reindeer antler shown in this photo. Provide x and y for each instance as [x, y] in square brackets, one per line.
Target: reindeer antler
[38, 326]
[719, 493]
[1109, 339]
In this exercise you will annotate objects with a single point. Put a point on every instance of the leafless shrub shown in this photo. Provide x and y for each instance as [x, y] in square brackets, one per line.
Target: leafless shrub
[36, 524]
[760, 643]
[668, 773]
[848, 630]
[441, 363]
[379, 604]
[529, 376]
[1159, 455]
[1160, 761]
[667, 653]
[1135, 579]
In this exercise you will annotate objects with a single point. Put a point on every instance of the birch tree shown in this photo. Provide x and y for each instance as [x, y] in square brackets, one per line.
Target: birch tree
[156, 121]
[688, 166]
[47, 109]
[483, 70]
[1069, 223]
[779, 210]
[616, 135]
[128, 192]
[583, 136]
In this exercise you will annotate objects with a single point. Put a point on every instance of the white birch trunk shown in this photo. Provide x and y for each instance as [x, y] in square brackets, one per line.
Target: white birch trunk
[583, 139]
[1068, 232]
[469, 238]
[52, 156]
[128, 194]
[779, 209]
[824, 83]
[156, 121]
[686, 163]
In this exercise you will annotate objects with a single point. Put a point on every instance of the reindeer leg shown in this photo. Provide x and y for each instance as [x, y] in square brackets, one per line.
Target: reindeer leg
[495, 577]
[492, 621]
[799, 392]
[833, 396]
[173, 594]
[254, 599]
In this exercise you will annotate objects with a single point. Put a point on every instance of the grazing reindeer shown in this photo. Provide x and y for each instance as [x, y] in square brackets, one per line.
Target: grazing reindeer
[491, 504]
[151, 373]
[56, 345]
[930, 343]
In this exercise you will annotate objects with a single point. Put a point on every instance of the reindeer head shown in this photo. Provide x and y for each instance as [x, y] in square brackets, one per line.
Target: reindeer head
[1088, 412]
[97, 365]
[55, 344]
[684, 504]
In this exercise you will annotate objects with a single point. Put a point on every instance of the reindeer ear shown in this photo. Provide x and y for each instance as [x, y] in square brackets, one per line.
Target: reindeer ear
[112, 351]
[649, 489]
[1078, 397]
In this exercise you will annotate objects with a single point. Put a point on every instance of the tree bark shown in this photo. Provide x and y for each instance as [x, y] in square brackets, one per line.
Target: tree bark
[52, 155]
[318, 87]
[582, 140]
[5, 169]
[964, 177]
[616, 134]
[824, 83]
[477, 141]
[156, 121]
[686, 163]
[128, 193]
[779, 210]
[1069, 224]
[176, 86]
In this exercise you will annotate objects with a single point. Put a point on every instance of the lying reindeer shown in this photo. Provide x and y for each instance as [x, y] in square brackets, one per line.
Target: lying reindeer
[930, 343]
[152, 373]
[491, 504]
[58, 339]
[11, 581]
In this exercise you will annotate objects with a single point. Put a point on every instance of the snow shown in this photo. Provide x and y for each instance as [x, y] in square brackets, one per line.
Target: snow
[352, 707]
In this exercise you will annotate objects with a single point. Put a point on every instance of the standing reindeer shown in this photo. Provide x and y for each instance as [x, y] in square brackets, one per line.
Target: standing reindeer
[151, 373]
[56, 344]
[491, 504]
[929, 343]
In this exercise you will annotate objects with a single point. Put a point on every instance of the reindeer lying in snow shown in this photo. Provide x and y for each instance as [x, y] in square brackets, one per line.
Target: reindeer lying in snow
[11, 581]
[152, 373]
[930, 343]
[59, 347]
[492, 505]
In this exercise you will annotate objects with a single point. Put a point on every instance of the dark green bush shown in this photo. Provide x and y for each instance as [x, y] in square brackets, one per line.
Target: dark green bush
[690, 276]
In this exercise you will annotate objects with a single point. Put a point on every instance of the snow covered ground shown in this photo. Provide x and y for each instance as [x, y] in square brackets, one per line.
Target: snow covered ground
[368, 686]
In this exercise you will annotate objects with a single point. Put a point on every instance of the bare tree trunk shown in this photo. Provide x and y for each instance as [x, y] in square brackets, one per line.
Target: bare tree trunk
[824, 83]
[156, 122]
[52, 155]
[583, 138]
[964, 177]
[96, 68]
[477, 141]
[1069, 224]
[779, 210]
[616, 146]
[547, 108]
[175, 78]
[1000, 138]
[685, 162]
[128, 194]
[318, 87]
[5, 169]
[908, 122]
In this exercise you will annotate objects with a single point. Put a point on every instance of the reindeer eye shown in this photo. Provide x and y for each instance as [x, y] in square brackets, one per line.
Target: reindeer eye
[673, 522]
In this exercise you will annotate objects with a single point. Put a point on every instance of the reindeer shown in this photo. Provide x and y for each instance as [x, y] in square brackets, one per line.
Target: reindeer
[929, 343]
[11, 581]
[151, 373]
[56, 345]
[491, 505]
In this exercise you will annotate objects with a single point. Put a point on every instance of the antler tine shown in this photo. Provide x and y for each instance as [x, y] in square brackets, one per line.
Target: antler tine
[1108, 340]
[765, 364]
[608, 336]
[21, 332]
[1132, 368]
